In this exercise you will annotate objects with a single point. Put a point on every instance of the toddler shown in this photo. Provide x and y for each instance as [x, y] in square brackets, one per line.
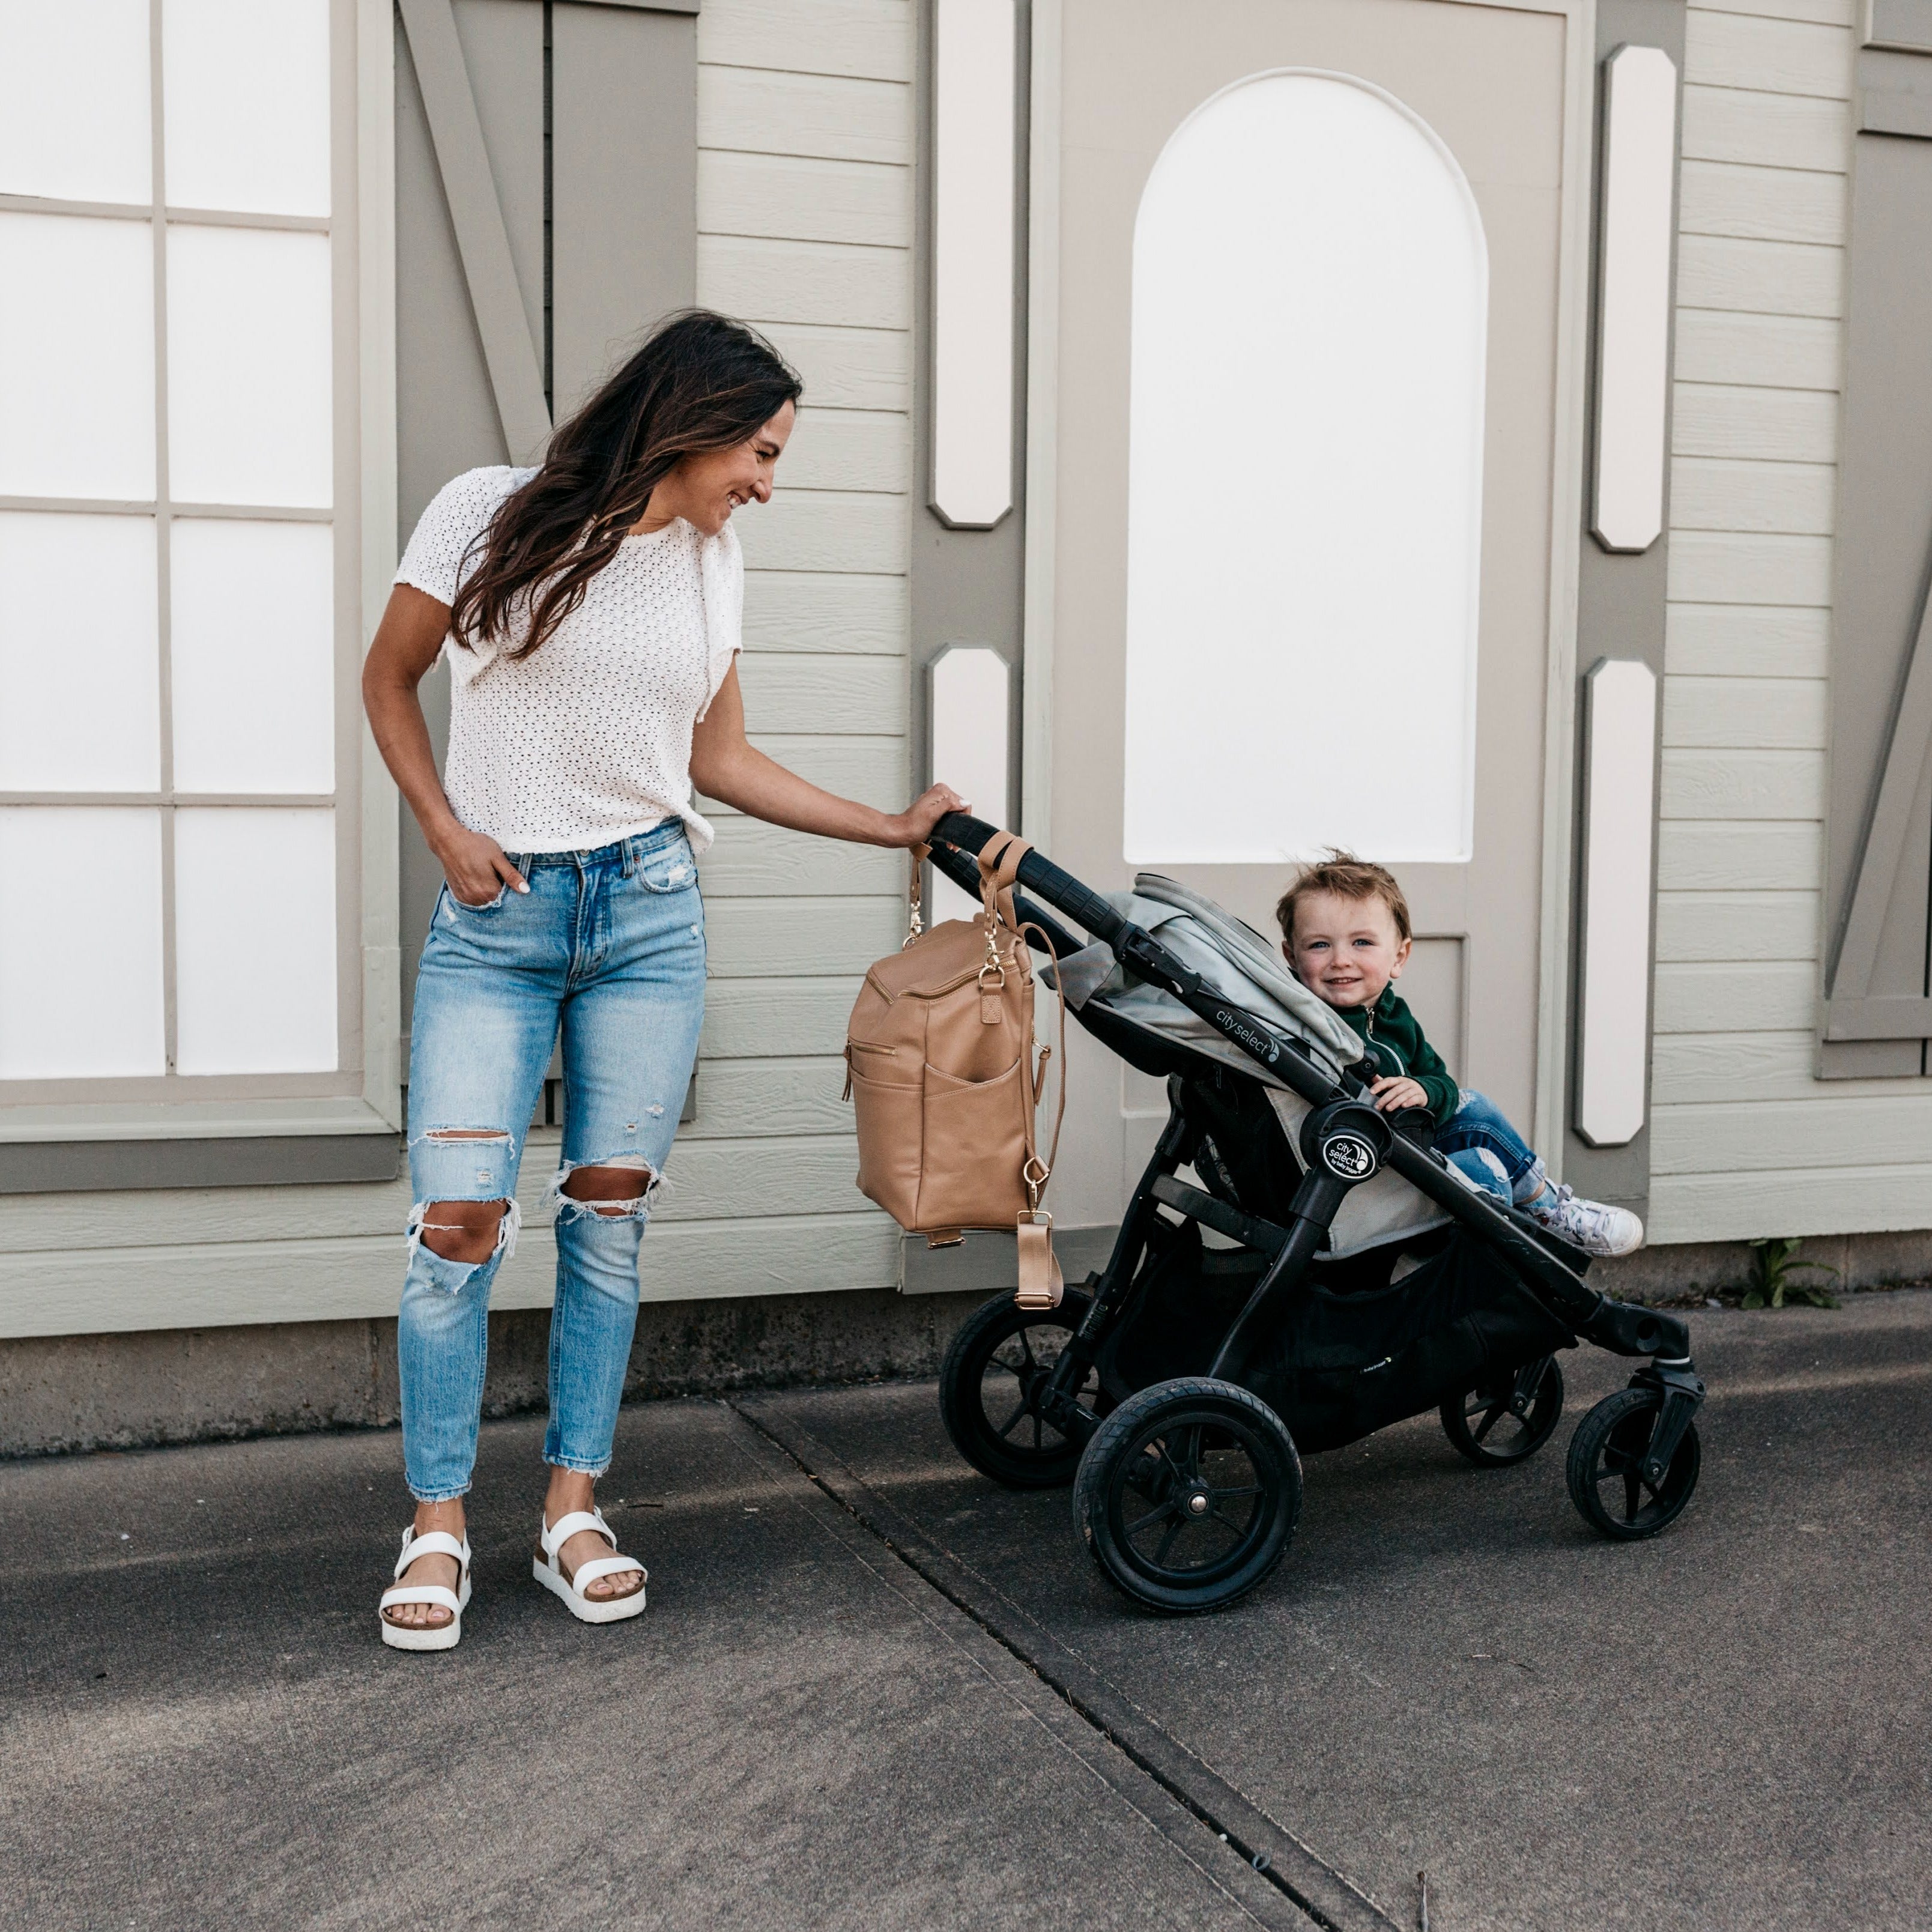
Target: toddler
[1345, 933]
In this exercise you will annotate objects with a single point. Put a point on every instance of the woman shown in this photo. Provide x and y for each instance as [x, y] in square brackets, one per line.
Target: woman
[589, 611]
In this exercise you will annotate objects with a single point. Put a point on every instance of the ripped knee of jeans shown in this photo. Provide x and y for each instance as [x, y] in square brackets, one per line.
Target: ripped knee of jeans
[423, 1218]
[625, 1200]
[1494, 1178]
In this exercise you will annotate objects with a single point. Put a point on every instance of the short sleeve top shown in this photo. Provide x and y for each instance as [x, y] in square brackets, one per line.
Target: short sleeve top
[587, 740]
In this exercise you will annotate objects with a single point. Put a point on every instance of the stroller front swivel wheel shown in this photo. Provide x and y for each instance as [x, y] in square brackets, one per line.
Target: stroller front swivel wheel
[1188, 1494]
[1605, 1467]
[991, 1384]
[1506, 1416]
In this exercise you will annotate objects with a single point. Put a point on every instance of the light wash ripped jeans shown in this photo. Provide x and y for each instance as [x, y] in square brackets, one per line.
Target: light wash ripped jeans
[1480, 1142]
[609, 945]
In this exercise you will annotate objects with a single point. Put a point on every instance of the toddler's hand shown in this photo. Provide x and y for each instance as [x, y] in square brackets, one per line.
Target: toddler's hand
[1393, 1094]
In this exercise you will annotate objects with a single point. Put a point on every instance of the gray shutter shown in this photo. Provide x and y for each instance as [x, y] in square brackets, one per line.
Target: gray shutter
[1876, 1016]
[546, 214]
[624, 190]
[967, 586]
[1621, 604]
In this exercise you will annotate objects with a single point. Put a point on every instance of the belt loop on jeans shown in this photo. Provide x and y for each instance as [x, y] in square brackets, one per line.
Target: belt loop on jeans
[630, 858]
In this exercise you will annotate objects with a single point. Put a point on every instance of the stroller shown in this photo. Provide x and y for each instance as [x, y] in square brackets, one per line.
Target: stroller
[1354, 1278]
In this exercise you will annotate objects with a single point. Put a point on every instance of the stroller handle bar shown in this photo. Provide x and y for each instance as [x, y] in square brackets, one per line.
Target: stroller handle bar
[1037, 873]
[1143, 955]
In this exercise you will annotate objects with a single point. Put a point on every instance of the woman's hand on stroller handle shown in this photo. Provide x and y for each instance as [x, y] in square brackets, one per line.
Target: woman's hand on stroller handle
[914, 826]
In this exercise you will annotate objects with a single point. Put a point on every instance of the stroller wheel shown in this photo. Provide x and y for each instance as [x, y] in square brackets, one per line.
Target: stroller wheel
[1605, 1467]
[1508, 1416]
[990, 1385]
[1188, 1494]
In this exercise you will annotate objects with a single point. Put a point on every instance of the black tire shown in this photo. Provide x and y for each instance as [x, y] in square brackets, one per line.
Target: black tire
[1150, 1494]
[989, 1388]
[1507, 1416]
[1605, 1454]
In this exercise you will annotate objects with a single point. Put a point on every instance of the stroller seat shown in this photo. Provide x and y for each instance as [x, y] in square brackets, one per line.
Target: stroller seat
[1237, 962]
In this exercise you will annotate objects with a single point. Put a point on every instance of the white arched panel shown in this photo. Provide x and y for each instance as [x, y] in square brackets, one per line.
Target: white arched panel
[1310, 290]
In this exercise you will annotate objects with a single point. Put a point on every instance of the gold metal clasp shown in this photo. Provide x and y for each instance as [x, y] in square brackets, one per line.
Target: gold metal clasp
[1036, 1181]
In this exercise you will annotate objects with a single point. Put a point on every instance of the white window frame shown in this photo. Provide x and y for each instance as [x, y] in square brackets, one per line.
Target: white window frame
[363, 1096]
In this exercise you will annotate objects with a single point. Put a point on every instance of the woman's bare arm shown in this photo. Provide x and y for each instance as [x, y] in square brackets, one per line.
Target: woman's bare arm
[411, 634]
[725, 766]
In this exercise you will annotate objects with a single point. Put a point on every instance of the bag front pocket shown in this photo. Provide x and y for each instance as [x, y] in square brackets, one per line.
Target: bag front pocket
[975, 1147]
[888, 1116]
[885, 1064]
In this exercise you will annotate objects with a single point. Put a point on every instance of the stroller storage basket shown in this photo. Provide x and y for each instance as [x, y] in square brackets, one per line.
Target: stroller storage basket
[1367, 1281]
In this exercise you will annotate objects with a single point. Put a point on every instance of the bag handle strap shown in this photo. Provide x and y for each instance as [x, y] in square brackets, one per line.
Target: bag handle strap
[999, 872]
[915, 925]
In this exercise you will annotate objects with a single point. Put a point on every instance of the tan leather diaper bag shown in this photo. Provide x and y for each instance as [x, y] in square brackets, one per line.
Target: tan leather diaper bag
[942, 1075]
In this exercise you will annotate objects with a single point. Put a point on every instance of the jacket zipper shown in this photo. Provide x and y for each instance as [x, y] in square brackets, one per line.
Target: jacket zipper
[1375, 1045]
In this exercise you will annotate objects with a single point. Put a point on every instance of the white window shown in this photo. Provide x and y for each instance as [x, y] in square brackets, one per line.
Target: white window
[179, 763]
[1305, 483]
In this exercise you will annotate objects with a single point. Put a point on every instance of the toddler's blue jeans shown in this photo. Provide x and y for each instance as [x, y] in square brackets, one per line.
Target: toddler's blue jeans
[1479, 1141]
[609, 945]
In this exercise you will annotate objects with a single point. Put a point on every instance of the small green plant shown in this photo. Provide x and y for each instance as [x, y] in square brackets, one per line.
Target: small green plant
[1773, 1269]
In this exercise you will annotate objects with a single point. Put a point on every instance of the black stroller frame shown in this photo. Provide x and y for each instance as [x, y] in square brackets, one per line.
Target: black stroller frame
[1187, 1490]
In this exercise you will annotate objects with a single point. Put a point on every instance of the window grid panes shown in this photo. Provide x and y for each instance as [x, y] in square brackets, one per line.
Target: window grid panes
[169, 661]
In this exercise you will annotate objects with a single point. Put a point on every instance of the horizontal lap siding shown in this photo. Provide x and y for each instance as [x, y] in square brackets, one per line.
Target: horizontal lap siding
[1746, 1141]
[805, 216]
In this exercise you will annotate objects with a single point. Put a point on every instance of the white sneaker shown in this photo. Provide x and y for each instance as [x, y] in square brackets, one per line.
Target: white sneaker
[1592, 1225]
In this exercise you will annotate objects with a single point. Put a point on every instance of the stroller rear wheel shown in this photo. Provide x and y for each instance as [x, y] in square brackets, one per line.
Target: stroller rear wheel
[990, 1386]
[1605, 1467]
[1188, 1494]
[1506, 1416]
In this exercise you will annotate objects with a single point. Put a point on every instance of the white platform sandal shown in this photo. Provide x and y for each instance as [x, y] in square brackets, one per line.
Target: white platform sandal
[431, 1637]
[548, 1570]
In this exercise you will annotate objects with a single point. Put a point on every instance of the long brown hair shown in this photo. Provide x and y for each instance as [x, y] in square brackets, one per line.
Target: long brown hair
[698, 381]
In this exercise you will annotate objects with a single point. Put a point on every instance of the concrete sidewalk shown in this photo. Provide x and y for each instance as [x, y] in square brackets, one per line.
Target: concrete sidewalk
[888, 1694]
[200, 1727]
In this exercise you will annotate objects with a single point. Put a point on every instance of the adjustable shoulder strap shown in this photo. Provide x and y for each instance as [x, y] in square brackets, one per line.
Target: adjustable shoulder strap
[1041, 1283]
[1060, 1112]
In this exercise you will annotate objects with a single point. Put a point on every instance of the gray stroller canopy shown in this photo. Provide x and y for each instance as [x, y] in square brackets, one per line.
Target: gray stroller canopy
[1241, 967]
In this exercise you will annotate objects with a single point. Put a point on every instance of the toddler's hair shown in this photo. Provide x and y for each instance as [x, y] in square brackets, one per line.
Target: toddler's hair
[1348, 877]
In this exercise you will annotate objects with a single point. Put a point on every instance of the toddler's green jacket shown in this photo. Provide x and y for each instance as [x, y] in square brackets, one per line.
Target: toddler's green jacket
[1396, 1044]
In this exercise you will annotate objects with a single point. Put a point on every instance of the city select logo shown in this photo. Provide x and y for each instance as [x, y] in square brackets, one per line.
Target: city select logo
[1347, 1157]
[1254, 1043]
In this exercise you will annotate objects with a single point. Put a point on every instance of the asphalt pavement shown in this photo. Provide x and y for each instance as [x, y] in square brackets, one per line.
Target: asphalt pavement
[872, 1690]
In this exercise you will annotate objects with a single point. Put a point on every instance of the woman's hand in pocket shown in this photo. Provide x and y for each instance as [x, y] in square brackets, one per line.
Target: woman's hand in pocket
[476, 867]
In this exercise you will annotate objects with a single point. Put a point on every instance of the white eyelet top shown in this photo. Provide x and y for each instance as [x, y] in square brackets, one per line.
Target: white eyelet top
[587, 740]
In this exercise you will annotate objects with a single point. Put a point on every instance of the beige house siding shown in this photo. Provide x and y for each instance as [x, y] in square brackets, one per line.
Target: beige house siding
[1746, 1141]
[805, 215]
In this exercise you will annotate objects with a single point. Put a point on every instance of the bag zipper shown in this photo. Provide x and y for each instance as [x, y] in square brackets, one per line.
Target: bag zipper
[853, 1046]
